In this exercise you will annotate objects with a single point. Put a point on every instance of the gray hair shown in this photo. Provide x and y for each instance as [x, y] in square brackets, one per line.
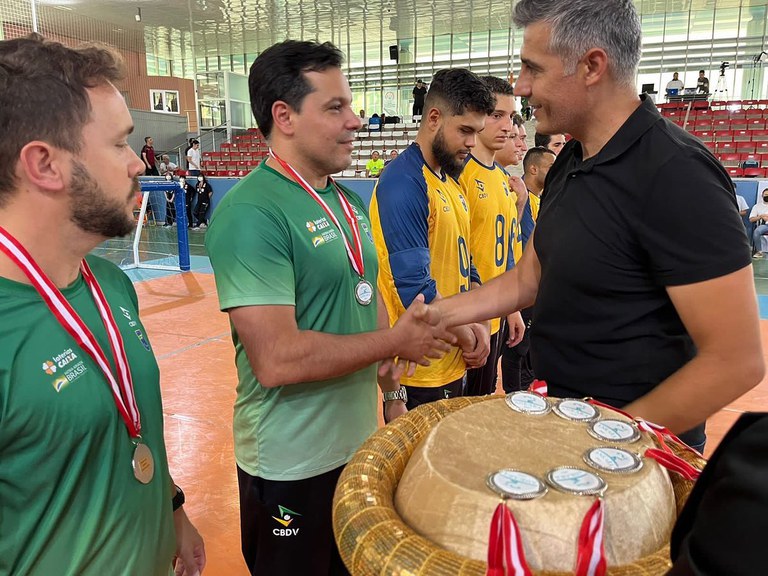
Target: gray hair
[580, 25]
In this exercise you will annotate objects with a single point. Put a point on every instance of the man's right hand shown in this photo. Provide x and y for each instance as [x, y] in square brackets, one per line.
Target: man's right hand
[420, 335]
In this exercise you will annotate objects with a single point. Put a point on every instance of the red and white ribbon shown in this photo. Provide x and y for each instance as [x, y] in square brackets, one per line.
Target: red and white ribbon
[590, 559]
[505, 547]
[539, 386]
[354, 252]
[122, 386]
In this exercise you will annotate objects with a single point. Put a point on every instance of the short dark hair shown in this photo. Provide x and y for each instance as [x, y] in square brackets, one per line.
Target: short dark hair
[498, 86]
[278, 74]
[534, 155]
[43, 95]
[517, 120]
[542, 140]
[146, 139]
[457, 90]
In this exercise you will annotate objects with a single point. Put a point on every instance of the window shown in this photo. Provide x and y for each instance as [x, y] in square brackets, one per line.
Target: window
[166, 101]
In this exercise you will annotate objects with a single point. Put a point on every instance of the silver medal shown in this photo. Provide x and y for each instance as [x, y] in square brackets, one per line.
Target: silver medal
[364, 292]
[516, 484]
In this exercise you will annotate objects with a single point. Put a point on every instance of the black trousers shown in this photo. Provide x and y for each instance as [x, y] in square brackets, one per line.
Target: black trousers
[482, 381]
[516, 368]
[418, 395]
[285, 526]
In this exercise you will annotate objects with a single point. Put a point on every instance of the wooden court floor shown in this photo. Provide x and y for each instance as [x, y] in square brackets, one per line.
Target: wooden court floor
[192, 342]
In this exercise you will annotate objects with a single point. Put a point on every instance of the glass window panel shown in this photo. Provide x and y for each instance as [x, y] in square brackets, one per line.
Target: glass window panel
[423, 49]
[499, 42]
[460, 47]
[479, 44]
[701, 25]
[443, 47]
[726, 23]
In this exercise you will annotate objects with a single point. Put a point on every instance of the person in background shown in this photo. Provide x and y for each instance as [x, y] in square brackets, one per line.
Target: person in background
[202, 202]
[702, 83]
[148, 156]
[759, 218]
[675, 84]
[554, 142]
[194, 158]
[166, 166]
[374, 166]
[392, 156]
[419, 93]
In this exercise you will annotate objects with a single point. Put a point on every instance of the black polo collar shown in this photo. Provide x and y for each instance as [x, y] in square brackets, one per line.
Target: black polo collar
[638, 123]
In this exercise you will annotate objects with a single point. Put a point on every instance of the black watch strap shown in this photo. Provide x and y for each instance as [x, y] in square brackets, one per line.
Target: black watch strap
[178, 499]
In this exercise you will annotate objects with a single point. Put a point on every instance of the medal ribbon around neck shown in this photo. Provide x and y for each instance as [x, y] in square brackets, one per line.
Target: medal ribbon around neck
[122, 387]
[354, 253]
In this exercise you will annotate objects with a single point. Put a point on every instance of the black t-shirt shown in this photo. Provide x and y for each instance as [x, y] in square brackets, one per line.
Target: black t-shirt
[652, 209]
[418, 95]
[702, 85]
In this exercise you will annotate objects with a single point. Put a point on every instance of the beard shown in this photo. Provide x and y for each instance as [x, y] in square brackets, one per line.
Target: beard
[444, 157]
[93, 211]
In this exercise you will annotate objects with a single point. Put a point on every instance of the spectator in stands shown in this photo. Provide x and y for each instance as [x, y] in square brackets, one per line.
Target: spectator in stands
[194, 159]
[363, 118]
[392, 156]
[419, 92]
[186, 150]
[374, 166]
[759, 218]
[743, 206]
[554, 142]
[374, 123]
[148, 156]
[166, 166]
[202, 201]
[618, 264]
[675, 84]
[702, 83]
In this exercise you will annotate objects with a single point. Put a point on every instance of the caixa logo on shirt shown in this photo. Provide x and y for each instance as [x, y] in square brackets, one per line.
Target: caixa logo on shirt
[286, 518]
[65, 367]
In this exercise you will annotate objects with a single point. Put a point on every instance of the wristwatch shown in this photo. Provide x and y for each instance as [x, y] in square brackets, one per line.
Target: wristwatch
[178, 499]
[399, 394]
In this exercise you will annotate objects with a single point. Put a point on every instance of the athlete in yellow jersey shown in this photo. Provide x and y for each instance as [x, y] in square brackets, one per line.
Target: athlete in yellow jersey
[494, 221]
[420, 224]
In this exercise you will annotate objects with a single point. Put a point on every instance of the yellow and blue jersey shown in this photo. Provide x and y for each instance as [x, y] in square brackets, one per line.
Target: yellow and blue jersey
[529, 217]
[493, 217]
[420, 225]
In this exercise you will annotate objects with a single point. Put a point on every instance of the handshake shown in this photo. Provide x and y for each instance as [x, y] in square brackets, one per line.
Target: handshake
[421, 334]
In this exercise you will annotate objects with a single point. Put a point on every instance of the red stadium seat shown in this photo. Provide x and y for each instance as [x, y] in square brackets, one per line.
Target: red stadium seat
[730, 159]
[735, 172]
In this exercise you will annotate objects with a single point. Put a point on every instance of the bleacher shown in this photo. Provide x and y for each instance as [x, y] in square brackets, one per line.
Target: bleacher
[246, 151]
[736, 131]
[238, 157]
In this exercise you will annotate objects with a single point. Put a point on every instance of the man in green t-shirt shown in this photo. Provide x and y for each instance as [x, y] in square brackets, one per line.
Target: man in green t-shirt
[296, 270]
[374, 166]
[84, 482]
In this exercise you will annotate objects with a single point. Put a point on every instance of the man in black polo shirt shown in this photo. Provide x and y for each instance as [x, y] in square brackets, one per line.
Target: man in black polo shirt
[639, 265]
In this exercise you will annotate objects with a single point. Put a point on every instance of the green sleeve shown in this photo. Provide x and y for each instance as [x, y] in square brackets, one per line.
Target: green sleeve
[250, 251]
